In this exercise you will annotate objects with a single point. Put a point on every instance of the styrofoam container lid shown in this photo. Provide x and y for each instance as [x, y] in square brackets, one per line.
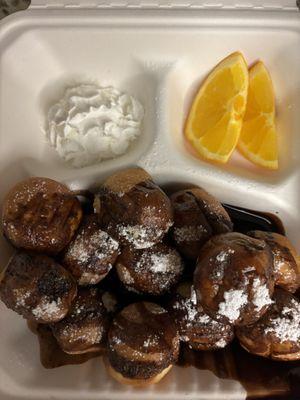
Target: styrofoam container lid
[159, 56]
[227, 4]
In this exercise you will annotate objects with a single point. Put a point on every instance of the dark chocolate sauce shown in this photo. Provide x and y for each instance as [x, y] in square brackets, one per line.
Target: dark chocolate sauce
[245, 220]
[262, 378]
[51, 355]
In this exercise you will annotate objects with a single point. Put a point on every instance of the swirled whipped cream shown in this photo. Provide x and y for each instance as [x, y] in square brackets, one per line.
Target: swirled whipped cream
[90, 124]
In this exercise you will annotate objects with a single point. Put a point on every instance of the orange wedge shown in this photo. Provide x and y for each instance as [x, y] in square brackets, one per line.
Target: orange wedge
[258, 139]
[214, 123]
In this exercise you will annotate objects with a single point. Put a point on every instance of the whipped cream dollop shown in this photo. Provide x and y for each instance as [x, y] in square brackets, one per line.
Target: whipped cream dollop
[90, 124]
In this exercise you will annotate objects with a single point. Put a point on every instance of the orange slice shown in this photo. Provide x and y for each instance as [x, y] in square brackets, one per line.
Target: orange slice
[214, 123]
[258, 139]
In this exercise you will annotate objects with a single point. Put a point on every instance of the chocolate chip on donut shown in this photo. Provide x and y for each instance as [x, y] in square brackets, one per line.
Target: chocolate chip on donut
[143, 344]
[234, 278]
[133, 209]
[37, 287]
[40, 214]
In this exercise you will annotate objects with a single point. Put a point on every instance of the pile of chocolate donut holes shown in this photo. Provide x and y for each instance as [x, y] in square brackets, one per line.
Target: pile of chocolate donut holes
[193, 279]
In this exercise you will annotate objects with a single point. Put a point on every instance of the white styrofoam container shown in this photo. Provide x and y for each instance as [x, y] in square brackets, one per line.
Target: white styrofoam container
[159, 52]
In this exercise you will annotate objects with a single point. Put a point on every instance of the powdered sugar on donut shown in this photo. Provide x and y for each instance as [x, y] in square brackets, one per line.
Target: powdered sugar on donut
[220, 261]
[221, 343]
[224, 255]
[165, 263]
[188, 233]
[126, 276]
[74, 333]
[261, 294]
[191, 312]
[99, 245]
[163, 266]
[21, 296]
[47, 309]
[234, 300]
[138, 235]
[152, 340]
[286, 327]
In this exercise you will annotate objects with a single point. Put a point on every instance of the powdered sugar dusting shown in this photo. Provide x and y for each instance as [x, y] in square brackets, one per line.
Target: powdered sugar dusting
[116, 340]
[234, 300]
[126, 276]
[21, 296]
[191, 312]
[261, 294]
[138, 235]
[224, 255]
[279, 265]
[47, 309]
[220, 262]
[74, 333]
[99, 245]
[162, 265]
[165, 263]
[221, 343]
[151, 341]
[191, 306]
[188, 233]
[205, 319]
[30, 189]
[193, 296]
[287, 326]
[152, 215]
[279, 261]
